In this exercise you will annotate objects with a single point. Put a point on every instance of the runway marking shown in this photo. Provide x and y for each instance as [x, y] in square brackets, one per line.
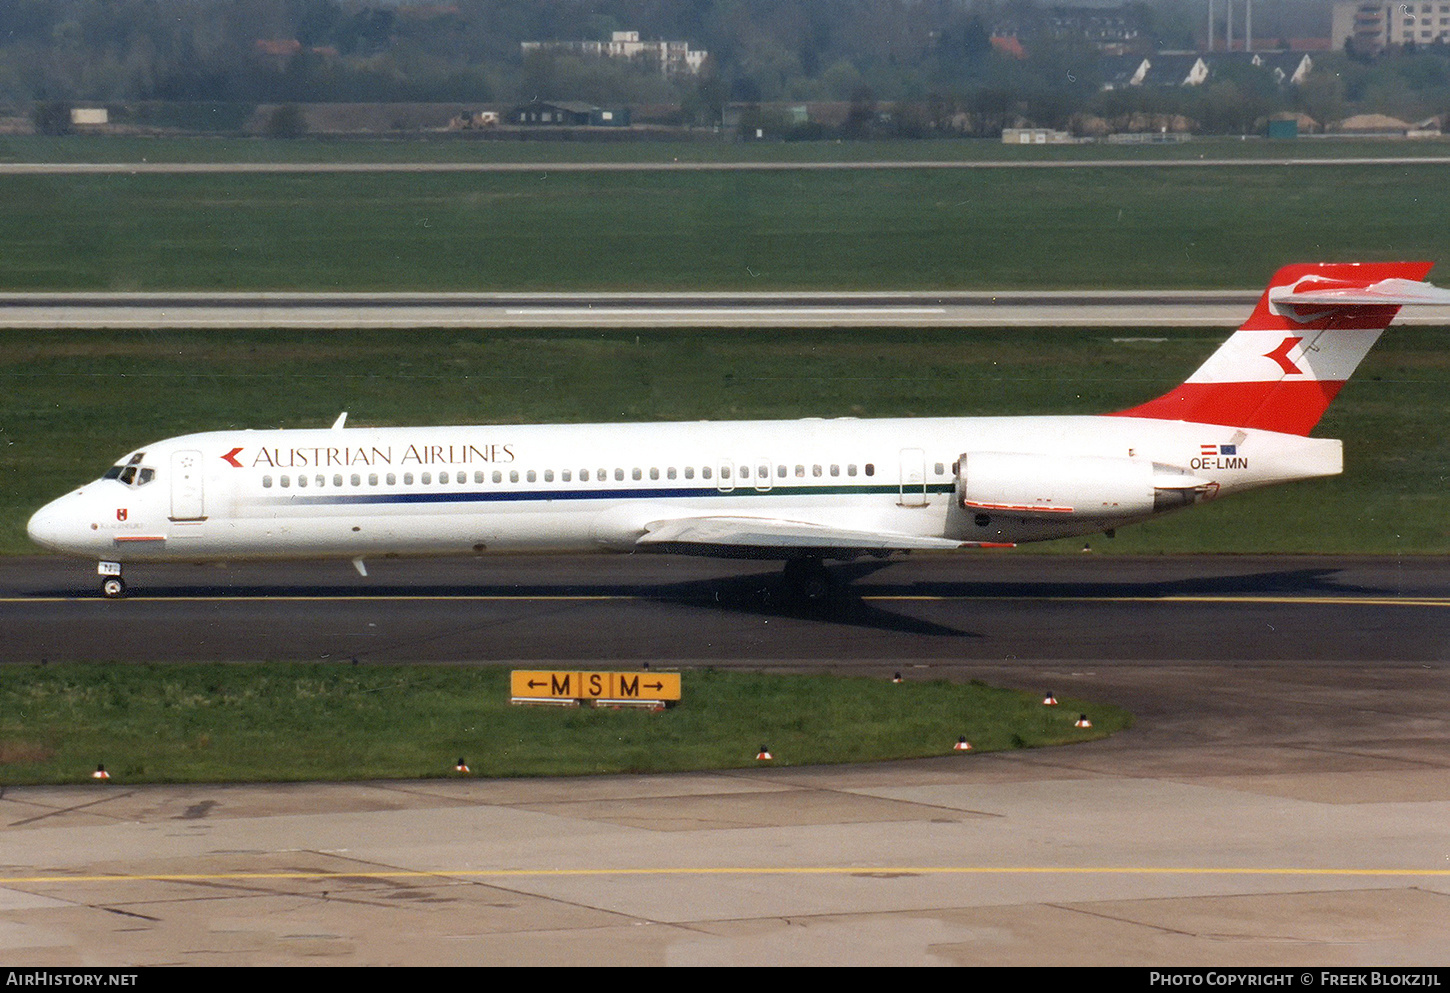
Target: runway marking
[854, 870]
[797, 311]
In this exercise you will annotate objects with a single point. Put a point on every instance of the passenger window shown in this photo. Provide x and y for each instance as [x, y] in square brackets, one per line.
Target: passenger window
[497, 476]
[724, 472]
[567, 476]
[745, 472]
[780, 471]
[871, 469]
[407, 479]
[815, 470]
[301, 480]
[670, 473]
[356, 479]
[851, 470]
[619, 475]
[286, 482]
[705, 473]
[266, 482]
[654, 473]
[940, 468]
[635, 474]
[392, 479]
[548, 475]
[337, 479]
[583, 475]
[689, 472]
[800, 471]
[532, 476]
[426, 478]
[513, 475]
[835, 470]
[478, 476]
[372, 479]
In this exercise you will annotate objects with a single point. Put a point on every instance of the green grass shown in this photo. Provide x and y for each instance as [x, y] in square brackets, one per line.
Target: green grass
[895, 229]
[286, 722]
[71, 403]
[711, 148]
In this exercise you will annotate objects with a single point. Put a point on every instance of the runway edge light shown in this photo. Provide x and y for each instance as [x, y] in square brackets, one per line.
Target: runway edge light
[1049, 700]
[461, 766]
[100, 772]
[962, 745]
[763, 755]
[1082, 721]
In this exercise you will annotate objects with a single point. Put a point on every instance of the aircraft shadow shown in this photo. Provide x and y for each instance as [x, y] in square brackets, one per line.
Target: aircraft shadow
[847, 602]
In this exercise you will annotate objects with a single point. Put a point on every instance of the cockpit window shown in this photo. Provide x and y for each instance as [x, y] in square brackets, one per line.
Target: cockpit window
[131, 472]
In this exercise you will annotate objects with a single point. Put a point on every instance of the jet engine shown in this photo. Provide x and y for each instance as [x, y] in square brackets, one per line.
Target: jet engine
[1090, 486]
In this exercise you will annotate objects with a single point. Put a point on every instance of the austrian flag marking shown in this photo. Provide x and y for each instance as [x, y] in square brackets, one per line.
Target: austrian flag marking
[1219, 457]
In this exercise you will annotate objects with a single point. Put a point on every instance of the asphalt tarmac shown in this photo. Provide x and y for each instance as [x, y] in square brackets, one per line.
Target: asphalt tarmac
[1281, 800]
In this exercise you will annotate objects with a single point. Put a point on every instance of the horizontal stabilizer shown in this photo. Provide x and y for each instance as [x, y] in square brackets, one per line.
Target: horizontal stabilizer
[1311, 292]
[765, 532]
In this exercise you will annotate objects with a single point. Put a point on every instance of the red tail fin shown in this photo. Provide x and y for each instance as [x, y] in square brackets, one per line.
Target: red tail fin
[1313, 325]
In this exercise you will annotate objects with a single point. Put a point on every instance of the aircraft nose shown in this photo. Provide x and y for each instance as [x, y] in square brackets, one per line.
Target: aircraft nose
[49, 526]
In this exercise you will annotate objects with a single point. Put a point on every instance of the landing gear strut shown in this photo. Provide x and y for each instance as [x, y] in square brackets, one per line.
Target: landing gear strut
[807, 579]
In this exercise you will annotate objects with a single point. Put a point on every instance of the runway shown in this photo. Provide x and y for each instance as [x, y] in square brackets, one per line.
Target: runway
[343, 311]
[1281, 799]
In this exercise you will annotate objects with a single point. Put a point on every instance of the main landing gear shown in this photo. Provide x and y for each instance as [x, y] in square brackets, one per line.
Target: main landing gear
[113, 587]
[807, 580]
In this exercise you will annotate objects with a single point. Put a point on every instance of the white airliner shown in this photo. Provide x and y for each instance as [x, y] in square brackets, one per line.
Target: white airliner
[800, 491]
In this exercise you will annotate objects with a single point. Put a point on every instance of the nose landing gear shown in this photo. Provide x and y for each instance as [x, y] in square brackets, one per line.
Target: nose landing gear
[113, 587]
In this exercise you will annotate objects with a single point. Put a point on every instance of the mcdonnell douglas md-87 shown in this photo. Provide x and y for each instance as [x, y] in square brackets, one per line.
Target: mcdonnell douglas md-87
[799, 491]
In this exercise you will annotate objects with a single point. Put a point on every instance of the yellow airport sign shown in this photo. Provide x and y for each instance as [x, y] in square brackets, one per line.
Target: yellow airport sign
[550, 684]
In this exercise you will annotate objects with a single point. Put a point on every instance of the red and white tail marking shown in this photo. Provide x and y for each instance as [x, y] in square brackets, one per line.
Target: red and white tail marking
[1313, 325]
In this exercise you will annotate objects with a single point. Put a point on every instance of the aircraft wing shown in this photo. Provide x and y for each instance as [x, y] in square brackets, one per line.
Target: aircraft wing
[771, 533]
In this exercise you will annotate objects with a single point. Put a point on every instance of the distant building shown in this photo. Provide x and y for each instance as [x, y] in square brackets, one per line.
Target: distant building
[567, 113]
[1113, 30]
[1193, 69]
[1166, 69]
[1036, 136]
[1373, 27]
[674, 58]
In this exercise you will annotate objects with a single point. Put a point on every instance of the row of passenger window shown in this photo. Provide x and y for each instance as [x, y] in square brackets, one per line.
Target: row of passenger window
[761, 472]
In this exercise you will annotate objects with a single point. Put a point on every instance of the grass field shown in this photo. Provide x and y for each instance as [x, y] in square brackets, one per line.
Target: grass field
[707, 148]
[894, 229]
[283, 722]
[70, 404]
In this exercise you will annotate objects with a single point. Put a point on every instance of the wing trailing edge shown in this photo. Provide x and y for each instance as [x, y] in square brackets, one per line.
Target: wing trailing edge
[762, 533]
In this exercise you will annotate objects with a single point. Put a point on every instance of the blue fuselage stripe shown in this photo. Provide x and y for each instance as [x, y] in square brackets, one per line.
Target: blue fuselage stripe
[650, 493]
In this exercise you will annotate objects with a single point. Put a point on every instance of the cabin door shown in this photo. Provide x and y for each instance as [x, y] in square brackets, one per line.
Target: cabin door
[187, 503]
[913, 478]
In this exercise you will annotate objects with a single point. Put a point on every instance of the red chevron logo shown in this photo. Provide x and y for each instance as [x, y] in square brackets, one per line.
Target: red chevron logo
[1281, 356]
[232, 455]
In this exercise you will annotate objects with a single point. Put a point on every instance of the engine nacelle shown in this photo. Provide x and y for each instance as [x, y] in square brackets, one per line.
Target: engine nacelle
[1047, 486]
